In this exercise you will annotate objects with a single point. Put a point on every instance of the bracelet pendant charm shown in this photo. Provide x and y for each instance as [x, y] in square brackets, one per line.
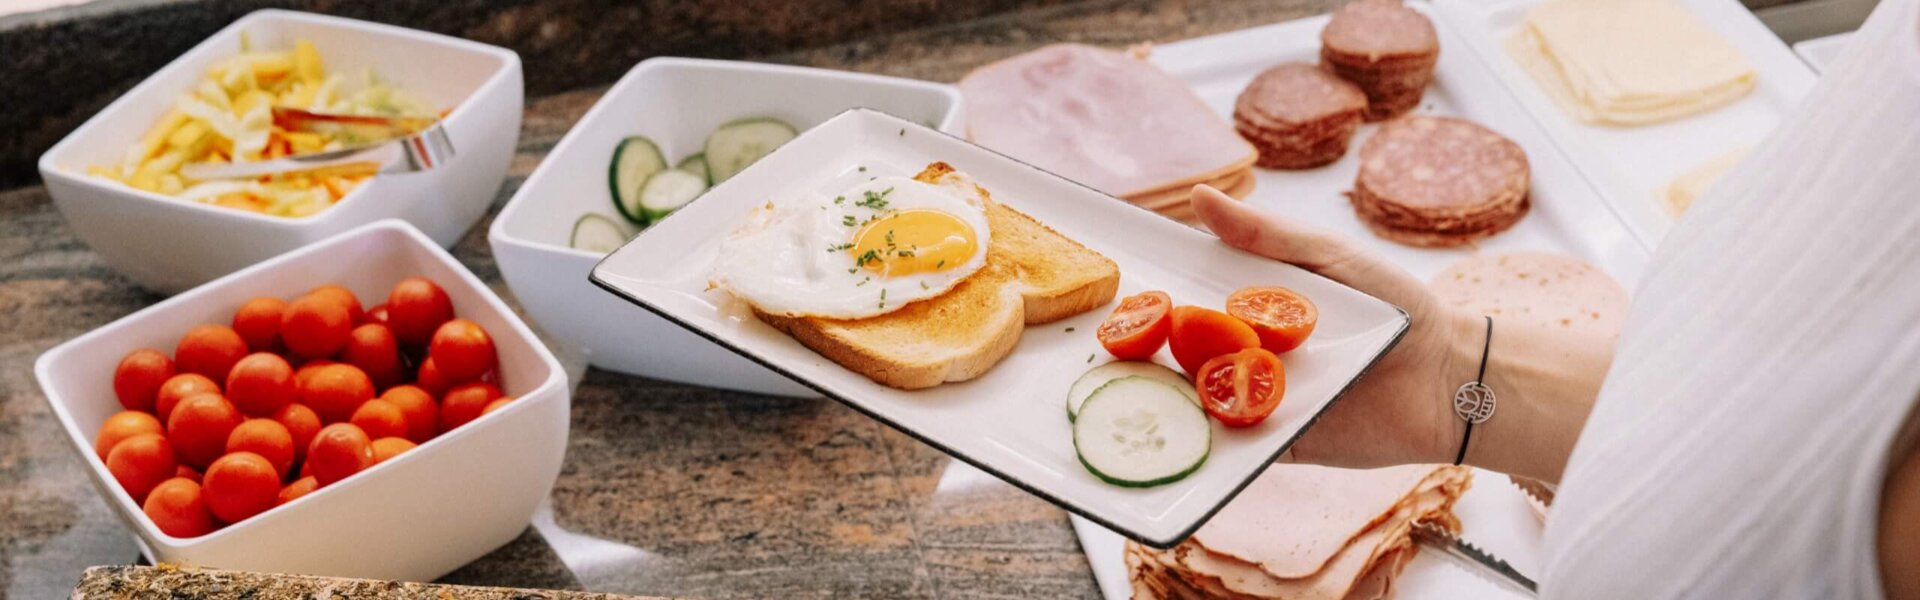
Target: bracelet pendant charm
[1473, 402]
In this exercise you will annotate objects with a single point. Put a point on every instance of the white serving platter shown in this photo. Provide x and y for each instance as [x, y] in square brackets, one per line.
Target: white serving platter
[1495, 514]
[1633, 165]
[1569, 217]
[1011, 421]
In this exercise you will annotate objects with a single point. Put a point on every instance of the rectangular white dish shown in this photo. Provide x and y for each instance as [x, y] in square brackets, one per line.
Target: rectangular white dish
[168, 245]
[675, 102]
[1011, 421]
[1632, 166]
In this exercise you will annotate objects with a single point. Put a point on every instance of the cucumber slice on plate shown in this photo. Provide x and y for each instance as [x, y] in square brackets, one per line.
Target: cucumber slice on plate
[1140, 432]
[737, 144]
[634, 160]
[667, 191]
[1099, 376]
[696, 164]
[597, 233]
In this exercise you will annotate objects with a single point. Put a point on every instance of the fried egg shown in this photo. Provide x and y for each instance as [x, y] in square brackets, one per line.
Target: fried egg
[868, 251]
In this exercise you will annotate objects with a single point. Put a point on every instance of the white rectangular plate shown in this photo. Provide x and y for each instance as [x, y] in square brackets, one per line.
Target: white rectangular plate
[1012, 421]
[1569, 217]
[1633, 165]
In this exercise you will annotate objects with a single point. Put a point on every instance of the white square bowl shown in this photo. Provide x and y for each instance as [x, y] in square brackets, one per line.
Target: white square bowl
[169, 245]
[675, 102]
[413, 518]
[1011, 421]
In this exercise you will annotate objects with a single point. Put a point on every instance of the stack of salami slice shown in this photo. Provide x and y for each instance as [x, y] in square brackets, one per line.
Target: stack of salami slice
[1108, 120]
[1305, 533]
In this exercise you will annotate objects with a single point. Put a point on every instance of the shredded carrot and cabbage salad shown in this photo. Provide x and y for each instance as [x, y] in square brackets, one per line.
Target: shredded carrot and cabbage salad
[228, 117]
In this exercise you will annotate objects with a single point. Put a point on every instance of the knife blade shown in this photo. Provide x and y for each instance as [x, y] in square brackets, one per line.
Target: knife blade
[1475, 559]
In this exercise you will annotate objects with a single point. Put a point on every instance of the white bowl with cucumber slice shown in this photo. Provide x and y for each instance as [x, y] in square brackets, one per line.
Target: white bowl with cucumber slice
[680, 127]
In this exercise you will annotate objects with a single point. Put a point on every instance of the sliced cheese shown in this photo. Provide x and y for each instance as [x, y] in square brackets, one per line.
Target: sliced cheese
[1628, 62]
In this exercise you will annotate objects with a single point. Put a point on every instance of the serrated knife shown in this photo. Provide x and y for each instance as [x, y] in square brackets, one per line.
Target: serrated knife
[1474, 559]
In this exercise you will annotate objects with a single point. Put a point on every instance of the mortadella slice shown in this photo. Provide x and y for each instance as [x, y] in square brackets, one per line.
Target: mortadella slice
[1100, 117]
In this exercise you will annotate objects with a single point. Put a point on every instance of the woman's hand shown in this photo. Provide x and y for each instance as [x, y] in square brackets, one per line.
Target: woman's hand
[1401, 412]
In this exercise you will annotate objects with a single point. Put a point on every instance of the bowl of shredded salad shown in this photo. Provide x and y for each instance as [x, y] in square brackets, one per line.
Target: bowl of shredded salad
[121, 179]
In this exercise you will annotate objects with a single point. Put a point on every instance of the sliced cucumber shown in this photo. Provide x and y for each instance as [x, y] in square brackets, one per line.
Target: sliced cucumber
[667, 191]
[1099, 376]
[634, 160]
[696, 164]
[737, 144]
[597, 233]
[1141, 432]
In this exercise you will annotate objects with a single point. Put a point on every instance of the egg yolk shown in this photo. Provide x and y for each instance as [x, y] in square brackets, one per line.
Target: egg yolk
[913, 241]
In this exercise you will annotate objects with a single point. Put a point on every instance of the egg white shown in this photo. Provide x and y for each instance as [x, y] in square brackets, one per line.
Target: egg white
[788, 258]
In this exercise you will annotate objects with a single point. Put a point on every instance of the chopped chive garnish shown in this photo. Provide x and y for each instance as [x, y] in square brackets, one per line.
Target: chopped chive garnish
[903, 253]
[839, 199]
[903, 131]
[863, 168]
[1069, 330]
[923, 285]
[839, 247]
[1089, 358]
[942, 263]
[847, 220]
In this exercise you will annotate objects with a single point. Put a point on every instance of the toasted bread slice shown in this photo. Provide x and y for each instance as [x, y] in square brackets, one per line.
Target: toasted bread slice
[1033, 275]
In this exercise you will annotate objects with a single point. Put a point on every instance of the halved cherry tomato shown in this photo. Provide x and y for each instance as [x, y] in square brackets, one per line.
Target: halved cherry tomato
[1138, 326]
[1283, 318]
[1199, 334]
[1242, 388]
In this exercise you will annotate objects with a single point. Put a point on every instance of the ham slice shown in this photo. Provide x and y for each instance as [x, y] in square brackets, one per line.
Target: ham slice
[1306, 533]
[1103, 118]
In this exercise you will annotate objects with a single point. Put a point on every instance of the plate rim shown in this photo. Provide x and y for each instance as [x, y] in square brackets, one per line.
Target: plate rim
[1404, 322]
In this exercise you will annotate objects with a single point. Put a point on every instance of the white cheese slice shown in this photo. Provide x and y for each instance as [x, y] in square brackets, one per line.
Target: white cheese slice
[1628, 62]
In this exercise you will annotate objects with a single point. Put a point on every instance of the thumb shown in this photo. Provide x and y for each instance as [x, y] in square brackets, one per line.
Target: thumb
[1329, 254]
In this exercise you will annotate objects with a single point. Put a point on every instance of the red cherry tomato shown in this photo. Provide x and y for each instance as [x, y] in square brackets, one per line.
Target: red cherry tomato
[373, 348]
[260, 384]
[344, 296]
[1199, 334]
[430, 379]
[240, 485]
[136, 381]
[301, 423]
[209, 350]
[1138, 326]
[258, 322]
[416, 308]
[462, 351]
[335, 391]
[141, 462]
[179, 508]
[267, 438]
[199, 428]
[339, 451]
[1242, 388]
[465, 403]
[316, 326]
[180, 387]
[1282, 318]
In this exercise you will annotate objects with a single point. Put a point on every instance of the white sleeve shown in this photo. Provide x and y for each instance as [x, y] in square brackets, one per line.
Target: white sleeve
[1739, 444]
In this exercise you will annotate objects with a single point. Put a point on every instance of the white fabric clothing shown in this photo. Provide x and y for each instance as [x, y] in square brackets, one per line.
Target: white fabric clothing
[1740, 443]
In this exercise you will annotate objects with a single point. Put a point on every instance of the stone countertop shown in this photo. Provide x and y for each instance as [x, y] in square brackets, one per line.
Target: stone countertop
[140, 583]
[667, 489]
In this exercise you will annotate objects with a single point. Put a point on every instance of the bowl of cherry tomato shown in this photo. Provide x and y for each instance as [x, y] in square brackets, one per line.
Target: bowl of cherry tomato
[361, 407]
